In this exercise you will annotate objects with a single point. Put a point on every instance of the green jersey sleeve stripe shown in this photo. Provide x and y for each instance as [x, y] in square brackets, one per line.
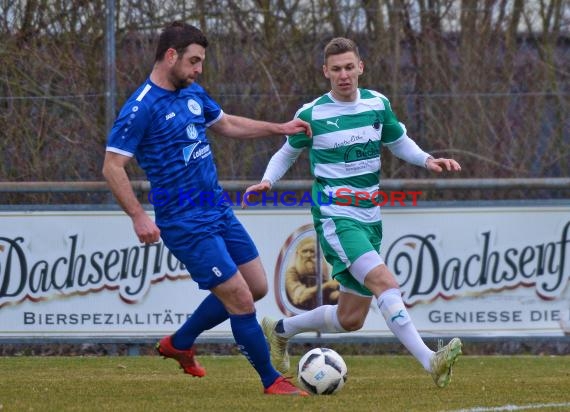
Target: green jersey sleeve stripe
[300, 141]
[391, 130]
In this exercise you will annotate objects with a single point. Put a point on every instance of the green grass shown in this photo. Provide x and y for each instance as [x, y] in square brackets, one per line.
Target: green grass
[375, 383]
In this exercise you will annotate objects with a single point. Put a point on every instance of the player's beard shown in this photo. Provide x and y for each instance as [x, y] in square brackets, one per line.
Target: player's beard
[182, 83]
[180, 80]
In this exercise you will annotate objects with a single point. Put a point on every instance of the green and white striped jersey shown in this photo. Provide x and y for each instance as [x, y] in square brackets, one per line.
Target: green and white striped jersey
[345, 152]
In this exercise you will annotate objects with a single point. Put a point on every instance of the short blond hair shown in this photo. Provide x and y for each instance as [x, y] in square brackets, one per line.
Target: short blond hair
[340, 45]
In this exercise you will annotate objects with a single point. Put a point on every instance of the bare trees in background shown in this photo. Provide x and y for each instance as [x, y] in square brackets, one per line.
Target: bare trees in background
[484, 81]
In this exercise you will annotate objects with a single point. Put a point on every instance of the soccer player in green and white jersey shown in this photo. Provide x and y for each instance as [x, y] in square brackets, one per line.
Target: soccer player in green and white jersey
[350, 125]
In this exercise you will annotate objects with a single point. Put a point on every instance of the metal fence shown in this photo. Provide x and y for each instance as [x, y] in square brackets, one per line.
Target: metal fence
[234, 185]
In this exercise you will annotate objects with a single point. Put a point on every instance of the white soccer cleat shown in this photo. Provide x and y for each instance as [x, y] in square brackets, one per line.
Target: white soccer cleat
[442, 362]
[277, 346]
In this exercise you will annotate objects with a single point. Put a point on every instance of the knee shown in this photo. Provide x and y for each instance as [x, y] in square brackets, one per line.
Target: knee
[241, 301]
[244, 300]
[380, 279]
[351, 323]
[243, 306]
[258, 291]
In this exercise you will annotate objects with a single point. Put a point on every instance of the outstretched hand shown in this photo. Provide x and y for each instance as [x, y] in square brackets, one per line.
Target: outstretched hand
[440, 164]
[296, 126]
[253, 190]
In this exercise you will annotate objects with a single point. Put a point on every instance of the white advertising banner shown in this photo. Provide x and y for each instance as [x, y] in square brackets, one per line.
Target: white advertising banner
[467, 271]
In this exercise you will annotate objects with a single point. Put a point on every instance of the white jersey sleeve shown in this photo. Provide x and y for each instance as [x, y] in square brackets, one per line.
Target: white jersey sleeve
[408, 150]
[280, 162]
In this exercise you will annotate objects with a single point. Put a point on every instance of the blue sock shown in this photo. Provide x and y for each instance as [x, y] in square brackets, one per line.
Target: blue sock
[251, 343]
[210, 313]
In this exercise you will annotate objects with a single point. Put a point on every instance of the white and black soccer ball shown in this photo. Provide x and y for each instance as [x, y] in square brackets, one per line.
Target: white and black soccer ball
[322, 371]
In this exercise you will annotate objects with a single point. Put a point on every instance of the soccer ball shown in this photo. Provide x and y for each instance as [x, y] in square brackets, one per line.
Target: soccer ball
[322, 371]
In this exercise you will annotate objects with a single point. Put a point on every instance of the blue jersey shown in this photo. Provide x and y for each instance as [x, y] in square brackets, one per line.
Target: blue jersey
[166, 132]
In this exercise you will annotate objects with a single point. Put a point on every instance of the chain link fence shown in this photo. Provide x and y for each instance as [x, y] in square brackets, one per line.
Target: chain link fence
[485, 82]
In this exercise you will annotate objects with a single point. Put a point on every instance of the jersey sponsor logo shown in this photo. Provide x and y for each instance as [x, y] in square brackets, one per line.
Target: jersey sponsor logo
[357, 152]
[190, 152]
[346, 142]
[170, 116]
[187, 152]
[191, 131]
[202, 152]
[194, 107]
[335, 123]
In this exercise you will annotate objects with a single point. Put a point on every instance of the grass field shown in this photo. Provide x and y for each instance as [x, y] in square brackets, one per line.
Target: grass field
[375, 383]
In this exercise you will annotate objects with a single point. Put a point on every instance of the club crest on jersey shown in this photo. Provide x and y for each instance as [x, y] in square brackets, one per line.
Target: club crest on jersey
[191, 131]
[194, 107]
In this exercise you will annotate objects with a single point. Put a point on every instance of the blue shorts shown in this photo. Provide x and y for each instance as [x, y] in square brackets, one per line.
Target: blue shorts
[210, 251]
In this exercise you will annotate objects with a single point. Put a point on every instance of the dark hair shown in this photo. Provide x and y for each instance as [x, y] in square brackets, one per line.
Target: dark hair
[340, 45]
[178, 35]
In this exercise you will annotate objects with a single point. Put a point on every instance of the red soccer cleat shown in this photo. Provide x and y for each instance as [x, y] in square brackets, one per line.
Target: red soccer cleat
[184, 357]
[282, 386]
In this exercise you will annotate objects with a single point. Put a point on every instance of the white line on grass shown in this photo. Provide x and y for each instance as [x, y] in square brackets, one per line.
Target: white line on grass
[515, 407]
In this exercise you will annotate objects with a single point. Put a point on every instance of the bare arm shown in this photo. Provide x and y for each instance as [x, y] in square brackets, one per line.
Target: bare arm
[244, 128]
[120, 185]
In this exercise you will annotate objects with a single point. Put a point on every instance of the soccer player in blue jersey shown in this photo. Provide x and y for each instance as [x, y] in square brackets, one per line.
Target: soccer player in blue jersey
[163, 124]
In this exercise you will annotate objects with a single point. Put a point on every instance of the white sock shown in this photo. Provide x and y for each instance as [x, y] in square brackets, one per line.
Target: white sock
[320, 319]
[398, 320]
